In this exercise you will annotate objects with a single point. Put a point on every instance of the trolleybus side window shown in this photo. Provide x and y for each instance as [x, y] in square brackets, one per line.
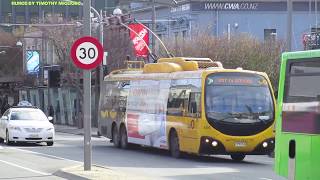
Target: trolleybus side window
[194, 108]
[178, 101]
[116, 96]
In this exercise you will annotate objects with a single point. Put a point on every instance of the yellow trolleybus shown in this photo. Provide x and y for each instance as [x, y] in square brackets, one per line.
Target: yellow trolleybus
[190, 105]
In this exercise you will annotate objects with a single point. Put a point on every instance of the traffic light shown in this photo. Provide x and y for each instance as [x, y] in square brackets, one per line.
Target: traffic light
[54, 78]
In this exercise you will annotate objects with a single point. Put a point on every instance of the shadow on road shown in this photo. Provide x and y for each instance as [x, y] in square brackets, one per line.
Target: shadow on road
[147, 154]
[26, 144]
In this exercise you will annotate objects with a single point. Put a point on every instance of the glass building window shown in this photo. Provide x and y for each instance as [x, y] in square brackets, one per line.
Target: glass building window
[270, 34]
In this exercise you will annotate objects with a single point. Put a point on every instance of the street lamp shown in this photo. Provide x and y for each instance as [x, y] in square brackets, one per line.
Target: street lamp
[19, 43]
[117, 12]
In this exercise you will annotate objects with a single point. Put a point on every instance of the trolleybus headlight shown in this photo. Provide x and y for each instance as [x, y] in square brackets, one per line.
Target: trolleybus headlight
[264, 144]
[214, 143]
[207, 140]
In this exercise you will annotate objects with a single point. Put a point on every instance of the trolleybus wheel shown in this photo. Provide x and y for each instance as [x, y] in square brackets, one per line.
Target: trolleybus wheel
[123, 138]
[115, 137]
[174, 145]
[238, 157]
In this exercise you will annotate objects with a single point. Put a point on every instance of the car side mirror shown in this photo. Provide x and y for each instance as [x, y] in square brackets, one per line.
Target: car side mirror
[50, 119]
[6, 118]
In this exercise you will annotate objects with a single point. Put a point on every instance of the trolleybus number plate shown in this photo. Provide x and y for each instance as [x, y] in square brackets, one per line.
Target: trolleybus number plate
[240, 144]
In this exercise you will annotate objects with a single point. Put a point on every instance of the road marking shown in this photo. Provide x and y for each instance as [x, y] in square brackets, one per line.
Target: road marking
[25, 168]
[265, 178]
[43, 154]
[1, 147]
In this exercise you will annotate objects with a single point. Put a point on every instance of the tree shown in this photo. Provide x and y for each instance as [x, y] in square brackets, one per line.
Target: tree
[62, 38]
[116, 43]
[11, 63]
[242, 50]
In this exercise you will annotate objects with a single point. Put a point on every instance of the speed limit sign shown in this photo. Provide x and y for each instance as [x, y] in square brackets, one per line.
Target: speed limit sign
[87, 53]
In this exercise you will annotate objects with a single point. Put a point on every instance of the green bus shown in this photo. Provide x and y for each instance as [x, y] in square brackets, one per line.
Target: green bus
[298, 116]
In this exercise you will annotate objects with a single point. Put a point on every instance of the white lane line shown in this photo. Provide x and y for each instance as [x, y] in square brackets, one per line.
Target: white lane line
[25, 168]
[46, 155]
[265, 178]
[1, 147]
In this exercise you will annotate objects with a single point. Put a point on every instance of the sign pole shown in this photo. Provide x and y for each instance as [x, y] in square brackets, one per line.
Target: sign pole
[87, 93]
[87, 54]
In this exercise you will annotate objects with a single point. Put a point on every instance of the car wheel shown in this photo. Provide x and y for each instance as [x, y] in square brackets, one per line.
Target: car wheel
[50, 143]
[124, 138]
[8, 142]
[174, 145]
[115, 137]
[237, 157]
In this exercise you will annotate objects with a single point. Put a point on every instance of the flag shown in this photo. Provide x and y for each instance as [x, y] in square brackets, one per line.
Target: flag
[141, 49]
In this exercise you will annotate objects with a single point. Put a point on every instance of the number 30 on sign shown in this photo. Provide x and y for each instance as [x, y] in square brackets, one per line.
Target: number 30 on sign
[87, 53]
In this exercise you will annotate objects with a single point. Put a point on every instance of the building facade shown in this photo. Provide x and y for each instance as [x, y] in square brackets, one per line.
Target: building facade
[34, 14]
[263, 19]
[37, 47]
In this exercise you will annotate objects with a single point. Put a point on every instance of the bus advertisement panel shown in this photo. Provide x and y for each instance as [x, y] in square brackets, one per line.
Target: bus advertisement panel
[146, 112]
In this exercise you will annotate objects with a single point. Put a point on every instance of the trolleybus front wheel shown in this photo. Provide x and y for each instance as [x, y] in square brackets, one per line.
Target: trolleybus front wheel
[174, 145]
[237, 157]
[115, 137]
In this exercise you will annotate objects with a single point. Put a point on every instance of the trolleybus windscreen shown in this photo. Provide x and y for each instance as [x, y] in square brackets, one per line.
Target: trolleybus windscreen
[239, 98]
[301, 107]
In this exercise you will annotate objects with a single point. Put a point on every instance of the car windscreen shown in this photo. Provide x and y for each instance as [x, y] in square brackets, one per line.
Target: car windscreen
[35, 115]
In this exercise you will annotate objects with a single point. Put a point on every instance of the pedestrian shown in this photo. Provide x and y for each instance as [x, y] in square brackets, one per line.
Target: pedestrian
[51, 111]
[6, 107]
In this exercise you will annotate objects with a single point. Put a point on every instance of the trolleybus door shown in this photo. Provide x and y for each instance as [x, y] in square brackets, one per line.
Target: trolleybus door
[191, 122]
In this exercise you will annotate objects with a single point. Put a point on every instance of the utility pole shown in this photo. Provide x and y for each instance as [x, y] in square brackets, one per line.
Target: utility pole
[99, 72]
[289, 25]
[87, 92]
[316, 12]
[153, 25]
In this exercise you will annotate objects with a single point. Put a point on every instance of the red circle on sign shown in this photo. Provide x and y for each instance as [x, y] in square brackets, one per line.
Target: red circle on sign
[77, 43]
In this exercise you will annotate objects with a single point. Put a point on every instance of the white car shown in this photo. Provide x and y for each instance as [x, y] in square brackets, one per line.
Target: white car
[26, 124]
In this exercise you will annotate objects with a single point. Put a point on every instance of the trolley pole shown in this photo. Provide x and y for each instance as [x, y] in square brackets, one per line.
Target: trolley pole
[87, 93]
[153, 25]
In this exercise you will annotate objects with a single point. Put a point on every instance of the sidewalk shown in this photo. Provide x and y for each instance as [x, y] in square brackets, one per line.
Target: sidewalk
[96, 173]
[74, 130]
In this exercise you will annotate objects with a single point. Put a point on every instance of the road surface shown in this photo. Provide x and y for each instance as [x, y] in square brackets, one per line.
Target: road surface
[37, 161]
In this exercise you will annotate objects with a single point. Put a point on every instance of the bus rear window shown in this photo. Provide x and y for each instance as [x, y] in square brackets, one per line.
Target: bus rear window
[302, 95]
[303, 82]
